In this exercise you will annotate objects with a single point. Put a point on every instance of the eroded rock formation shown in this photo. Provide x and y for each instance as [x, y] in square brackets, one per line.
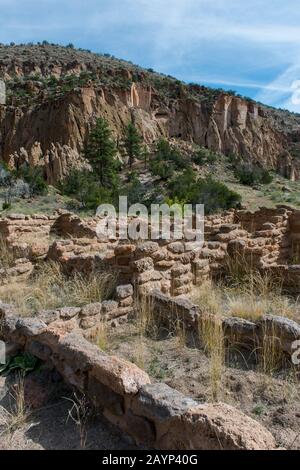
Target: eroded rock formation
[51, 132]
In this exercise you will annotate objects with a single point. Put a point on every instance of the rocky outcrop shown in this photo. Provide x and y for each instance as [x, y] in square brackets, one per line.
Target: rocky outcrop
[51, 132]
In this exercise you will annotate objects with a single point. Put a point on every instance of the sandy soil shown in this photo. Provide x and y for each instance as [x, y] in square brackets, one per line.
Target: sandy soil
[47, 425]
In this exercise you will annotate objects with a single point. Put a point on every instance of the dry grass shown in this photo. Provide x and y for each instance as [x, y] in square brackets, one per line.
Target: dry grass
[102, 335]
[147, 324]
[6, 255]
[212, 338]
[208, 297]
[295, 259]
[19, 412]
[180, 333]
[49, 288]
[247, 293]
[79, 413]
[246, 307]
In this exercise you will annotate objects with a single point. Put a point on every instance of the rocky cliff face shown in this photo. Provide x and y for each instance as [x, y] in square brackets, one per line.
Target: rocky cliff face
[54, 96]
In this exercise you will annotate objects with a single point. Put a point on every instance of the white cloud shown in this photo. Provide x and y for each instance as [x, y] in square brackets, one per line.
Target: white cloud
[255, 45]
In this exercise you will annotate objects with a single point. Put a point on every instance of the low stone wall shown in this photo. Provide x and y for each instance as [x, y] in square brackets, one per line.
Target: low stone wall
[15, 226]
[237, 331]
[266, 239]
[154, 415]
[90, 317]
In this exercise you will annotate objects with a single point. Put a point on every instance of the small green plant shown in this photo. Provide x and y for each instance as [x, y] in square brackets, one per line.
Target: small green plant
[24, 362]
[156, 370]
[259, 410]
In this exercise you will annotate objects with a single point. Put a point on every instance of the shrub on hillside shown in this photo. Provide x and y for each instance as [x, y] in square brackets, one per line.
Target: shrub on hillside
[213, 194]
[203, 156]
[250, 175]
[83, 186]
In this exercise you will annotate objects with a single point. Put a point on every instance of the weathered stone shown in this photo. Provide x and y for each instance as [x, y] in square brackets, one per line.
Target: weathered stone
[7, 309]
[286, 330]
[146, 249]
[88, 322]
[109, 306]
[169, 309]
[159, 402]
[30, 326]
[122, 292]
[90, 310]
[126, 250]
[238, 330]
[142, 429]
[39, 350]
[49, 316]
[176, 247]
[149, 276]
[227, 228]
[66, 313]
[179, 269]
[126, 302]
[214, 427]
[105, 397]
[120, 376]
[142, 265]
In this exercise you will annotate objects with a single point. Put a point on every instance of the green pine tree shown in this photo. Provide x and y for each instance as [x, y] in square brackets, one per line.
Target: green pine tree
[133, 143]
[101, 153]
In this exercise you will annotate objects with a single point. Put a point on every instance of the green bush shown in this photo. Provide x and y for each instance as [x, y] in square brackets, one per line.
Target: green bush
[166, 160]
[34, 177]
[203, 156]
[251, 175]
[84, 187]
[213, 194]
[163, 169]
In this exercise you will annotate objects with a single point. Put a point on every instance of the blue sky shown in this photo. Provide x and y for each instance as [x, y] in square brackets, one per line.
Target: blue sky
[251, 47]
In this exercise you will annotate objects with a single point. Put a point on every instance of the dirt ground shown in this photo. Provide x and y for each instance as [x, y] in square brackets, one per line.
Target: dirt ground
[272, 400]
[48, 424]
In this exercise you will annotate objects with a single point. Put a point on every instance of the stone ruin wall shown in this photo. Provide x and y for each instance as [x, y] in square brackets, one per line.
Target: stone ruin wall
[153, 414]
[266, 239]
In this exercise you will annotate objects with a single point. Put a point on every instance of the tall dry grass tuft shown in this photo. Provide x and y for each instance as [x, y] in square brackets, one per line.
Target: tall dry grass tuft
[212, 338]
[246, 307]
[270, 354]
[102, 335]
[49, 288]
[208, 297]
[6, 255]
[180, 333]
[19, 412]
[146, 323]
[295, 258]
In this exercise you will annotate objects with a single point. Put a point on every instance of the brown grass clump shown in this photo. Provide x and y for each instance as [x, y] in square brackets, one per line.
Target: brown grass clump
[6, 255]
[209, 298]
[49, 288]
[212, 338]
[19, 412]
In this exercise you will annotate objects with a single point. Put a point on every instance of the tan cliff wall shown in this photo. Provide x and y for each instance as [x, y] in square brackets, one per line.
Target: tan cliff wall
[53, 133]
